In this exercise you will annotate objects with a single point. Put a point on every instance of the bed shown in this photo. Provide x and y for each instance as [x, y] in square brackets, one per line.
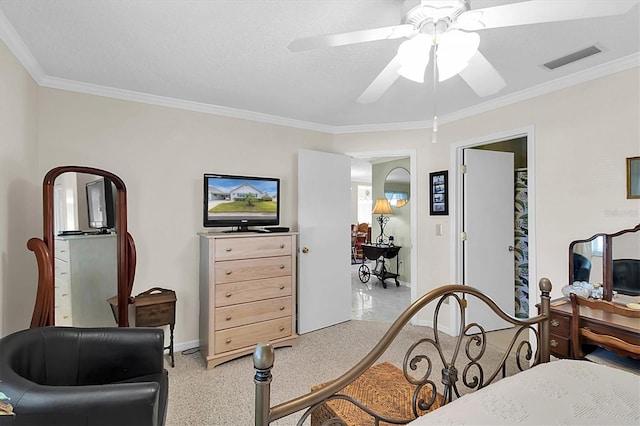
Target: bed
[454, 383]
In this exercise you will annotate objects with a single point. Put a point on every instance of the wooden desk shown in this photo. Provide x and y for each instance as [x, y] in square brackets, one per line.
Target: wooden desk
[625, 328]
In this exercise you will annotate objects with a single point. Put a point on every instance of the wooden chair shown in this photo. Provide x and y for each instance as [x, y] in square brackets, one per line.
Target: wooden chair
[580, 334]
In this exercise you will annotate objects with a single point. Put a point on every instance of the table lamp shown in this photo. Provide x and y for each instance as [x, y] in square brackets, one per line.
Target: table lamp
[382, 208]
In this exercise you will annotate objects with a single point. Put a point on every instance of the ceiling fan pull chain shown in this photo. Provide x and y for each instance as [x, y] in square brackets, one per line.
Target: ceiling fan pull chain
[434, 134]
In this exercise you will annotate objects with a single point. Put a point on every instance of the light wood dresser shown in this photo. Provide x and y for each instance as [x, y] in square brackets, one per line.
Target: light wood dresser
[247, 293]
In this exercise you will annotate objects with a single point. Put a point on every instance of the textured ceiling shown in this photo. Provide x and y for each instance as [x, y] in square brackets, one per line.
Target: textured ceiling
[232, 55]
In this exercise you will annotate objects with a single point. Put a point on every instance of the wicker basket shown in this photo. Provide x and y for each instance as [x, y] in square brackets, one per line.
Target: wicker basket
[383, 388]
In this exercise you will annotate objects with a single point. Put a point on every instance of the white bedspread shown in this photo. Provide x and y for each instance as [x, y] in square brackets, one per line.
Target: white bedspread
[559, 392]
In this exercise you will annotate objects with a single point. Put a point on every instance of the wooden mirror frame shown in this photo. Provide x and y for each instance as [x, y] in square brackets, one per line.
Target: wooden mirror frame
[44, 249]
[607, 259]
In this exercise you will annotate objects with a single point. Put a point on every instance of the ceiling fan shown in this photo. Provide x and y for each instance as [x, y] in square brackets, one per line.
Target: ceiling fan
[444, 31]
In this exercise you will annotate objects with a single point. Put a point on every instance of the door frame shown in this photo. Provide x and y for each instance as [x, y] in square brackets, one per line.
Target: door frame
[457, 203]
[413, 196]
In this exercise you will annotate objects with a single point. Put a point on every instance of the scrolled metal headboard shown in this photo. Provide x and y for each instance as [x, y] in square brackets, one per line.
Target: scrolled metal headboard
[468, 351]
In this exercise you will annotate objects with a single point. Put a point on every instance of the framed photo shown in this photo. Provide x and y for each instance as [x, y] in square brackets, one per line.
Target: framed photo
[438, 193]
[633, 177]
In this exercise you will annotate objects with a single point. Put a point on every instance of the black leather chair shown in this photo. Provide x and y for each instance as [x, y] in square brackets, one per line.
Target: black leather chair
[581, 268]
[626, 276]
[84, 376]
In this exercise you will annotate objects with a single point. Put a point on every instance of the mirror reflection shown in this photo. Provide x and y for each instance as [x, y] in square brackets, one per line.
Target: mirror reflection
[397, 187]
[85, 250]
[625, 263]
[588, 261]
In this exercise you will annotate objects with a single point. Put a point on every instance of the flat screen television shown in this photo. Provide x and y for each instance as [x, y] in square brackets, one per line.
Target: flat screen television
[240, 201]
[101, 203]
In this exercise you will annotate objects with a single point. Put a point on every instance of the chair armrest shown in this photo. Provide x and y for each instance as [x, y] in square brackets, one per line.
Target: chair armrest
[121, 404]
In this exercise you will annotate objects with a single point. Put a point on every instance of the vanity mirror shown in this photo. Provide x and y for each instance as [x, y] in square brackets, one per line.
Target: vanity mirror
[397, 187]
[612, 260]
[86, 254]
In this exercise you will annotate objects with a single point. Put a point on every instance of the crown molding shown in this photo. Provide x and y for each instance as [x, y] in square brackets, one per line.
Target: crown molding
[22, 53]
[570, 80]
[129, 95]
[15, 44]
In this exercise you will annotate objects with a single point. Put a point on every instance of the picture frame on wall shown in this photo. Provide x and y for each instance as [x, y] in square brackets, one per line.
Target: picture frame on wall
[439, 193]
[633, 177]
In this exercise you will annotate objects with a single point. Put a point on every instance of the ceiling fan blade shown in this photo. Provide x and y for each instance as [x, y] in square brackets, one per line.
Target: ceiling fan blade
[482, 77]
[329, 40]
[382, 82]
[539, 11]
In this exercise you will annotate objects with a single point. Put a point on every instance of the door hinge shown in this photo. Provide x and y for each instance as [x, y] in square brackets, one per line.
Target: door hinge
[463, 169]
[464, 303]
[463, 236]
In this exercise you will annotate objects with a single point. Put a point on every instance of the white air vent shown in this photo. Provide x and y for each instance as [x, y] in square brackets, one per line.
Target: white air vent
[573, 57]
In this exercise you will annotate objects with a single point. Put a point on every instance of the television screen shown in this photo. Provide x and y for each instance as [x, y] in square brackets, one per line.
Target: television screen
[241, 201]
[101, 196]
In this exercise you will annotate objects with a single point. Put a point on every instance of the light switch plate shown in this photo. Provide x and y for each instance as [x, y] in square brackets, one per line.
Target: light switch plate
[438, 229]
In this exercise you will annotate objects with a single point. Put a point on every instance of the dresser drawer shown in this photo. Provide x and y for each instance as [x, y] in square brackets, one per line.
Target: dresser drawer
[248, 248]
[250, 291]
[560, 325]
[250, 335]
[61, 270]
[61, 249]
[249, 313]
[251, 269]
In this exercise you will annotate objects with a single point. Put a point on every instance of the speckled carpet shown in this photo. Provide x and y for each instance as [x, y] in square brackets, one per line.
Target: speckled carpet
[224, 395]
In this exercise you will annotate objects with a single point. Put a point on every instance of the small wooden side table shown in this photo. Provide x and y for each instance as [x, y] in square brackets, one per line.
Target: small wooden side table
[157, 307]
[153, 308]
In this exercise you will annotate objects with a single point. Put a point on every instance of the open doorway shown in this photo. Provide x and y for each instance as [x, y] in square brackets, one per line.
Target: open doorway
[372, 171]
[521, 144]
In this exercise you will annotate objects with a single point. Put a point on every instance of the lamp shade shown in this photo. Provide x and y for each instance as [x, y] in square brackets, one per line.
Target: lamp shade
[382, 207]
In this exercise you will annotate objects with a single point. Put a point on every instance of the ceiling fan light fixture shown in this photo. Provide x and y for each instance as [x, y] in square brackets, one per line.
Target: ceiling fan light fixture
[455, 50]
[413, 55]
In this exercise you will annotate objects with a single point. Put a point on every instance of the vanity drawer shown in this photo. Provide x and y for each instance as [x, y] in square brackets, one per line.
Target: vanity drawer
[249, 313]
[245, 248]
[250, 335]
[560, 325]
[559, 346]
[250, 291]
[251, 269]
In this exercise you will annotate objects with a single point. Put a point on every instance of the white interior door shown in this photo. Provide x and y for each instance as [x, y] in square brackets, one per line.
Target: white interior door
[488, 223]
[324, 208]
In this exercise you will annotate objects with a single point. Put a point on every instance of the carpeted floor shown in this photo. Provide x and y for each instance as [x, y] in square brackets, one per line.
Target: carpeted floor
[224, 395]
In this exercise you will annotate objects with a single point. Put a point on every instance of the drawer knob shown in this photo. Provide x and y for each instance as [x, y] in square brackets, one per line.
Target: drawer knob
[555, 323]
[281, 328]
[281, 287]
[228, 249]
[282, 308]
[228, 318]
[553, 343]
[281, 266]
[63, 273]
[228, 341]
[228, 272]
[227, 295]
[281, 245]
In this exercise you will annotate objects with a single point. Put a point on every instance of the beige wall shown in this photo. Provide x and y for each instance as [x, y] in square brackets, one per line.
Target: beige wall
[161, 154]
[20, 217]
[582, 136]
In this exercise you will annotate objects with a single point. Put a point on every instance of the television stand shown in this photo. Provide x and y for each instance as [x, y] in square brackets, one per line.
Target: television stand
[242, 229]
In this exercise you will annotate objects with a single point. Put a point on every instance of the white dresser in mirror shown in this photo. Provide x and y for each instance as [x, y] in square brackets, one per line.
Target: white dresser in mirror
[85, 277]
